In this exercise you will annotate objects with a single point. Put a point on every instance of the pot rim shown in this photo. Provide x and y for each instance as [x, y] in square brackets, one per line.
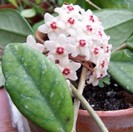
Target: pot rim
[122, 112]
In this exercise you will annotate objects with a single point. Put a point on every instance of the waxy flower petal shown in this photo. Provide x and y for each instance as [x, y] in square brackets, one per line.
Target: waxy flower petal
[32, 43]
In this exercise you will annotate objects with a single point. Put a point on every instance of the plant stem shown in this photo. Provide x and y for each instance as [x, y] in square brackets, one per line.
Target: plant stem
[76, 101]
[91, 3]
[92, 113]
[123, 46]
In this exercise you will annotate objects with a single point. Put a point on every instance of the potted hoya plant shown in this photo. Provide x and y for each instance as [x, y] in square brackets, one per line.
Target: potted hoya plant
[107, 116]
[77, 47]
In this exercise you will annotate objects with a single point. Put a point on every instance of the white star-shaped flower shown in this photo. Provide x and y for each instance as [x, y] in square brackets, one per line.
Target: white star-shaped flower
[32, 43]
[60, 49]
[69, 70]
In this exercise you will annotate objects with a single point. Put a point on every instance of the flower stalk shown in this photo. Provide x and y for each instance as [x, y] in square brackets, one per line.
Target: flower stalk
[92, 4]
[76, 101]
[87, 106]
[123, 46]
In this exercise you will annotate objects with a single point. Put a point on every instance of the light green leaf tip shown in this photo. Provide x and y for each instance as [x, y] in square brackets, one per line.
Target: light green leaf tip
[28, 13]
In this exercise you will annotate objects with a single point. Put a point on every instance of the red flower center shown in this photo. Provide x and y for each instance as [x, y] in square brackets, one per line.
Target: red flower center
[60, 50]
[100, 34]
[53, 25]
[70, 8]
[82, 43]
[103, 64]
[71, 21]
[66, 71]
[107, 49]
[89, 28]
[91, 18]
[100, 76]
[96, 51]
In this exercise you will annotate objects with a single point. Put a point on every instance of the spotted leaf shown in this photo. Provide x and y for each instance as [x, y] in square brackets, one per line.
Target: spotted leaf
[37, 88]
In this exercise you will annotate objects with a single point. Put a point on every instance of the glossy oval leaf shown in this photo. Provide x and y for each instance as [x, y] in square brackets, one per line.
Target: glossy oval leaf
[13, 27]
[37, 88]
[126, 4]
[121, 68]
[117, 24]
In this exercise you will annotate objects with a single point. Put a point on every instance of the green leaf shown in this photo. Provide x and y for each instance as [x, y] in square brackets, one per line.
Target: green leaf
[82, 4]
[103, 81]
[37, 88]
[13, 27]
[28, 13]
[70, 1]
[117, 24]
[130, 43]
[60, 2]
[35, 26]
[126, 4]
[101, 84]
[121, 68]
[2, 79]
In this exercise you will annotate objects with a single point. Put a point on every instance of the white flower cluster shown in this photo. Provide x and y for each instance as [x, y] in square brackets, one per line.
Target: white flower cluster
[72, 33]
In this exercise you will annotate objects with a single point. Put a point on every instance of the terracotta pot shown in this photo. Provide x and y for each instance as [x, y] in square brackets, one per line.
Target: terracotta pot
[115, 121]
[5, 113]
[35, 128]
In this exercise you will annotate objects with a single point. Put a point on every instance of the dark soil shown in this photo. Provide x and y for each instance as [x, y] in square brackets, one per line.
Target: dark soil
[111, 97]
